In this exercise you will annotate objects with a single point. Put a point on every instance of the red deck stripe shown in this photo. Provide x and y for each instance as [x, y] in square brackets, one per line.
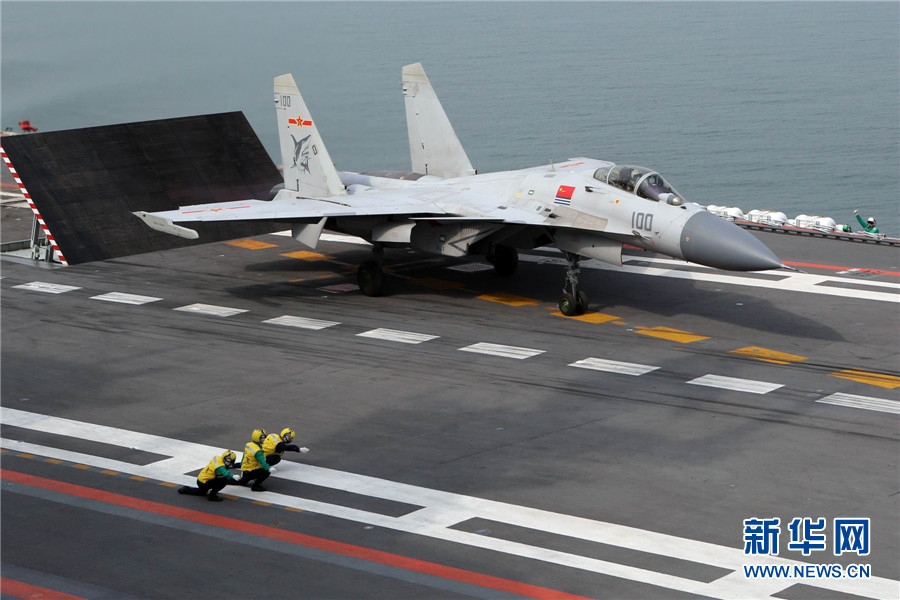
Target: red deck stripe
[836, 268]
[18, 589]
[299, 539]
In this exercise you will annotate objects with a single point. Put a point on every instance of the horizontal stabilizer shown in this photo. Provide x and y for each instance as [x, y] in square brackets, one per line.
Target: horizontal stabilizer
[166, 225]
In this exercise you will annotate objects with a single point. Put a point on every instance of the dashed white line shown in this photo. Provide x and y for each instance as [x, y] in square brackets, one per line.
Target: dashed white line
[49, 288]
[613, 366]
[471, 267]
[125, 298]
[738, 385]
[393, 335]
[210, 309]
[301, 322]
[864, 402]
[501, 350]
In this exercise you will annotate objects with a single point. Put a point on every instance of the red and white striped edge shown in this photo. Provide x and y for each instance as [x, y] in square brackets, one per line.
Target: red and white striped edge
[37, 214]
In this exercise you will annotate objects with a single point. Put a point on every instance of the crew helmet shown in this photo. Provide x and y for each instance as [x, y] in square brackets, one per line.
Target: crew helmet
[228, 457]
[258, 435]
[287, 434]
[871, 220]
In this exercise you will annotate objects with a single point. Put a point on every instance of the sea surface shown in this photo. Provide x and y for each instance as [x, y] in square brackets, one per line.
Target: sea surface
[789, 106]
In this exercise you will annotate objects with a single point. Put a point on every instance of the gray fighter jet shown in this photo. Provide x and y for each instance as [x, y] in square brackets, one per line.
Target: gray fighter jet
[585, 207]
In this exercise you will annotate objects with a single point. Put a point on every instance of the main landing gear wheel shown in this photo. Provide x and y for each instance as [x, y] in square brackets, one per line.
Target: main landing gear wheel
[504, 259]
[581, 303]
[370, 278]
[573, 302]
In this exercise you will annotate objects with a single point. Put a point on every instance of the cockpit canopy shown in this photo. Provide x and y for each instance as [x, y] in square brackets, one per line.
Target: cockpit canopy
[649, 184]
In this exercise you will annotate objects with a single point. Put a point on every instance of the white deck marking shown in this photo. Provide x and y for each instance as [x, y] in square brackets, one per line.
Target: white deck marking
[739, 385]
[301, 322]
[864, 402]
[501, 350]
[49, 288]
[613, 366]
[796, 282]
[340, 288]
[126, 298]
[210, 309]
[471, 267]
[393, 335]
[441, 510]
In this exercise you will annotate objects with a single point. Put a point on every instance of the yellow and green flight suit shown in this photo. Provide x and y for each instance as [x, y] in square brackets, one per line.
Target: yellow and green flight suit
[254, 466]
[211, 480]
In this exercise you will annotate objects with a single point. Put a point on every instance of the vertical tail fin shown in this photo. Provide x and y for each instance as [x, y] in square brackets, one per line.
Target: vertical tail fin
[307, 165]
[433, 145]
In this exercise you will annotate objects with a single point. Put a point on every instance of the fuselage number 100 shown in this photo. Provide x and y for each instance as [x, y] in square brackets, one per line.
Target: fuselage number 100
[285, 101]
[642, 221]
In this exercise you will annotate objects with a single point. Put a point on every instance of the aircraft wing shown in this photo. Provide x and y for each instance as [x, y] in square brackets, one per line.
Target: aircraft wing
[380, 203]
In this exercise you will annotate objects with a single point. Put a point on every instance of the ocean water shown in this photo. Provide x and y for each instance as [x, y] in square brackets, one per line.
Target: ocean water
[790, 106]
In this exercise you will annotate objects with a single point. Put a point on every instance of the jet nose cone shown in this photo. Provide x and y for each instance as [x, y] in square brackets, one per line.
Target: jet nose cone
[712, 241]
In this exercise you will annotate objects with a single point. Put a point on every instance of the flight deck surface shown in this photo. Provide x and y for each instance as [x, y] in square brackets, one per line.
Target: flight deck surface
[466, 440]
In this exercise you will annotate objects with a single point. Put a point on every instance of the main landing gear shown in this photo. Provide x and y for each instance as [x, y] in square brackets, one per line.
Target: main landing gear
[572, 302]
[370, 275]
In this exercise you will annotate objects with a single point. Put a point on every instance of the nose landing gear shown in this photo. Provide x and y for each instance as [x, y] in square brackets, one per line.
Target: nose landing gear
[572, 302]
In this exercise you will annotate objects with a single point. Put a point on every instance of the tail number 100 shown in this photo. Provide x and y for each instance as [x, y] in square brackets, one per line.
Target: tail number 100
[642, 221]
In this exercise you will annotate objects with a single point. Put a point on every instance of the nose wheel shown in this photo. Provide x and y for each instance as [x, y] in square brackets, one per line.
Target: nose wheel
[573, 301]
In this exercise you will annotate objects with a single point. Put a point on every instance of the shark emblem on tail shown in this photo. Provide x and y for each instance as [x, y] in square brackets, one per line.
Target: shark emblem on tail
[301, 153]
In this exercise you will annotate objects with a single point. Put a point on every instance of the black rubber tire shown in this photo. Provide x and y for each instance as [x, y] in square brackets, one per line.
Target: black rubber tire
[567, 305]
[370, 278]
[581, 303]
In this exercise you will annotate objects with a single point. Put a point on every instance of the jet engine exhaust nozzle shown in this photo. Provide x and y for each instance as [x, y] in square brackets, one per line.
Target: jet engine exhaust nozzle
[712, 241]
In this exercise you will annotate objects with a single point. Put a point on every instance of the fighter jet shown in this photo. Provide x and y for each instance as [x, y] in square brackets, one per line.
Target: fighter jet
[586, 208]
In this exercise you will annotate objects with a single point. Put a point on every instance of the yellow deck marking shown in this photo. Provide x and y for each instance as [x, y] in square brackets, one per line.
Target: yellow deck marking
[292, 509]
[674, 335]
[138, 478]
[3, 450]
[436, 284]
[881, 380]
[168, 484]
[589, 317]
[54, 461]
[261, 503]
[772, 356]
[109, 472]
[23, 455]
[85, 467]
[508, 299]
[251, 244]
[229, 496]
[307, 255]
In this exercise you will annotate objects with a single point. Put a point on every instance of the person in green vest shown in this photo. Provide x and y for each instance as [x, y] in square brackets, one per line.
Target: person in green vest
[868, 225]
[213, 478]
